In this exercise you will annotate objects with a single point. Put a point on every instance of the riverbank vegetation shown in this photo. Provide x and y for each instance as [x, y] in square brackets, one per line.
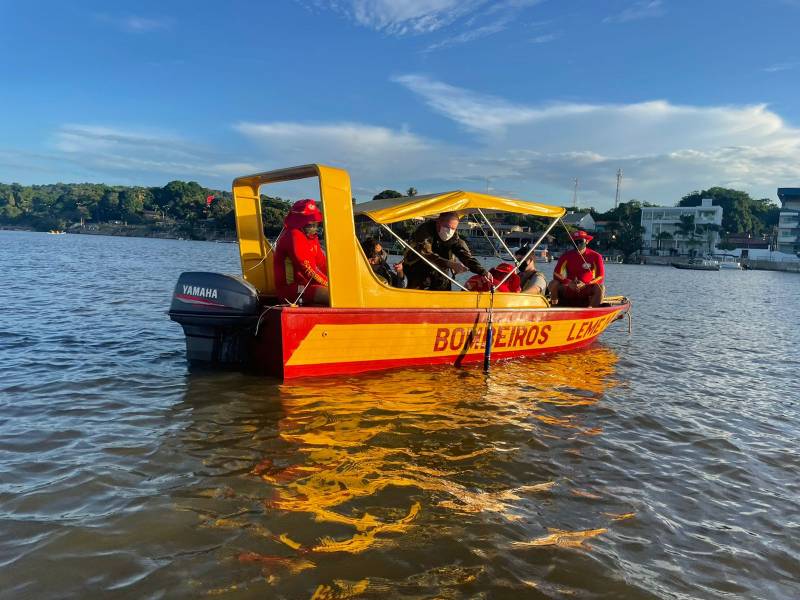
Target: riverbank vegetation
[179, 209]
[187, 209]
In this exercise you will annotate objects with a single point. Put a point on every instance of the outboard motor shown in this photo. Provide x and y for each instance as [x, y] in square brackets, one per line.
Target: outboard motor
[218, 314]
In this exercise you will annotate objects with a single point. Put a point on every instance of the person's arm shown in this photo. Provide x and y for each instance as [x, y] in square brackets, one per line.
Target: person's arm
[463, 253]
[322, 260]
[599, 270]
[305, 258]
[536, 284]
[423, 243]
[560, 272]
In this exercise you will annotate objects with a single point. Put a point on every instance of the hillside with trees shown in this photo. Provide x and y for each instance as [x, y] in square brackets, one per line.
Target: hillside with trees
[180, 207]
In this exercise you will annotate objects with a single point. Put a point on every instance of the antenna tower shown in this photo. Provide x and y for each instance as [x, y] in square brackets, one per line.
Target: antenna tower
[619, 181]
[575, 195]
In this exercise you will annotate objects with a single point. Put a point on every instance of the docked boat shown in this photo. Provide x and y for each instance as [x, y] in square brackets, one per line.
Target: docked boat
[728, 261]
[698, 264]
[369, 325]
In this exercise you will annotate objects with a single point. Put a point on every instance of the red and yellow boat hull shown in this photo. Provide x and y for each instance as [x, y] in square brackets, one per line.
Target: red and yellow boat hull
[313, 341]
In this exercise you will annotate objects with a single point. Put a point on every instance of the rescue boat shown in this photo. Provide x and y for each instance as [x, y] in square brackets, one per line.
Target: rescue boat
[369, 325]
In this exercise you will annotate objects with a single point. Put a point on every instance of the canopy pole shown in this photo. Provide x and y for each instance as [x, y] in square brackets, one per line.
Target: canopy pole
[487, 352]
[433, 266]
[524, 258]
[497, 235]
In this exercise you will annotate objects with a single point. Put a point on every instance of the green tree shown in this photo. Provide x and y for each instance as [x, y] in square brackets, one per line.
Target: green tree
[740, 212]
[387, 194]
[662, 237]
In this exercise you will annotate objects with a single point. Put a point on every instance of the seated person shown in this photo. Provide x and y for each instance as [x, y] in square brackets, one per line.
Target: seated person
[578, 276]
[439, 242]
[301, 269]
[478, 283]
[531, 280]
[376, 256]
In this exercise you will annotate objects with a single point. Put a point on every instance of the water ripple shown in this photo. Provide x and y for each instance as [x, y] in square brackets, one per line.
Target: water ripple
[660, 465]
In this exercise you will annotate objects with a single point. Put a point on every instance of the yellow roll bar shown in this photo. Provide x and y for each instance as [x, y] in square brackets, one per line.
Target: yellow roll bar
[352, 282]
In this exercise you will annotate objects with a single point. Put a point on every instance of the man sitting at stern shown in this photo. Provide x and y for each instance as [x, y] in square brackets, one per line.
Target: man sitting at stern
[439, 242]
[578, 276]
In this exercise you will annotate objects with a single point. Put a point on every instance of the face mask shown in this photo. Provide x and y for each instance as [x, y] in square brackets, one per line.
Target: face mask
[446, 233]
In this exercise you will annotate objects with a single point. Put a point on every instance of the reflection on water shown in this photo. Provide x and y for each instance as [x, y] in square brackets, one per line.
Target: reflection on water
[384, 469]
[662, 464]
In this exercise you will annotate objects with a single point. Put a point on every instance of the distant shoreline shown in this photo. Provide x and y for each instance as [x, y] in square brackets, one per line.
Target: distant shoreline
[141, 231]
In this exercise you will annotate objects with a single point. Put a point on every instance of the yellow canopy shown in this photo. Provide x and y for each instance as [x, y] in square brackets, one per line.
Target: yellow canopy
[392, 210]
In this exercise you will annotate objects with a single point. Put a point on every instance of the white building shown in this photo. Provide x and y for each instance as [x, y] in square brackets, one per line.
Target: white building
[789, 222]
[663, 234]
[579, 220]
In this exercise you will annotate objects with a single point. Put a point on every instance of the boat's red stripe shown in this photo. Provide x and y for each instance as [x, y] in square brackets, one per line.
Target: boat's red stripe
[297, 322]
[197, 300]
[349, 368]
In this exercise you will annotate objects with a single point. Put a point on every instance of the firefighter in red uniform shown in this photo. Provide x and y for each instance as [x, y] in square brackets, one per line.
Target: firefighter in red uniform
[301, 269]
[578, 276]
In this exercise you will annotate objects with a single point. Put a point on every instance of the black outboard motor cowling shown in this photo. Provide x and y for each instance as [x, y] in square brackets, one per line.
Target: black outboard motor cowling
[218, 314]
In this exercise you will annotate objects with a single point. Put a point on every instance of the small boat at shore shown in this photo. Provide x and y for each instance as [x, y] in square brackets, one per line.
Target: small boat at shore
[369, 325]
[729, 261]
[56, 232]
[695, 264]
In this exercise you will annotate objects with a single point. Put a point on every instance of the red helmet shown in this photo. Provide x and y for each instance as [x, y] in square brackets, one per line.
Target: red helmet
[302, 213]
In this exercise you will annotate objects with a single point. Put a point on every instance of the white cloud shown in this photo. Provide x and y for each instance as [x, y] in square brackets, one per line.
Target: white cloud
[402, 17]
[783, 66]
[373, 151]
[664, 149]
[545, 38]
[470, 35]
[135, 23]
[419, 17]
[645, 9]
[120, 152]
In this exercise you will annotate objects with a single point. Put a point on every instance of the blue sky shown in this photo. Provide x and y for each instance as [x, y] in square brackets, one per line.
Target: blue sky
[521, 95]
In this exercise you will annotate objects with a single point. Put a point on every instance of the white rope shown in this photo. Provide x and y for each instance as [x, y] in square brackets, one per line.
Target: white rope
[433, 266]
[261, 316]
[300, 295]
[266, 254]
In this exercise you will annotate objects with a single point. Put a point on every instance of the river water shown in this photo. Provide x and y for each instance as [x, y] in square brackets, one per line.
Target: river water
[663, 464]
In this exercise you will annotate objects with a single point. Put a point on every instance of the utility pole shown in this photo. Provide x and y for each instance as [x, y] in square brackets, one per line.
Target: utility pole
[619, 181]
[575, 195]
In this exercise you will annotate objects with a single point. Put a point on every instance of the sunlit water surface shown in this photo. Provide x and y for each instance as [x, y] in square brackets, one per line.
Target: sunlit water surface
[662, 464]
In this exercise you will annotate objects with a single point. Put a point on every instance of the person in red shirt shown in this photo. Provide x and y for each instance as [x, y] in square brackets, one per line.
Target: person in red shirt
[301, 269]
[578, 276]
